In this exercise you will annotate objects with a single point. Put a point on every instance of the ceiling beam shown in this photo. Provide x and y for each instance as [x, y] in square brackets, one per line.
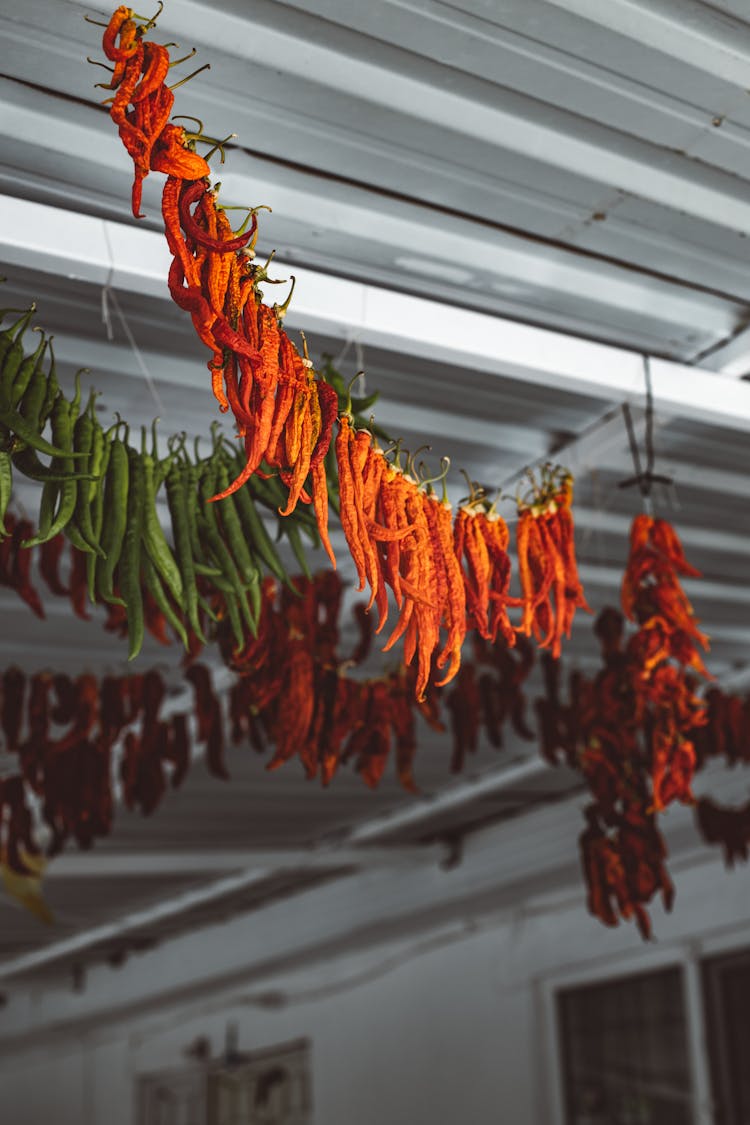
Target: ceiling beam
[704, 538]
[338, 853]
[712, 41]
[103, 357]
[380, 74]
[732, 357]
[417, 812]
[51, 239]
[697, 589]
[494, 874]
[685, 474]
[506, 264]
[106, 864]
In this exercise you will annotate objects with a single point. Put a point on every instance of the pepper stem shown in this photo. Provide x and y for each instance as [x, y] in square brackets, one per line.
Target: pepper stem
[411, 469]
[176, 62]
[350, 384]
[220, 146]
[395, 449]
[95, 62]
[281, 310]
[206, 66]
[189, 117]
[150, 21]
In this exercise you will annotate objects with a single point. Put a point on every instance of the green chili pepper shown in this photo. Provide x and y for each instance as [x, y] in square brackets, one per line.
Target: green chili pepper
[30, 367]
[115, 503]
[295, 540]
[26, 459]
[47, 505]
[230, 604]
[29, 464]
[97, 514]
[205, 570]
[154, 539]
[6, 484]
[130, 561]
[258, 537]
[208, 527]
[192, 502]
[177, 501]
[55, 522]
[233, 533]
[30, 405]
[83, 441]
[52, 391]
[17, 425]
[11, 354]
[154, 585]
[98, 446]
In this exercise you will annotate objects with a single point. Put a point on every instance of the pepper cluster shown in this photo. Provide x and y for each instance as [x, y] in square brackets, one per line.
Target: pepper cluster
[30, 397]
[295, 692]
[453, 574]
[666, 645]
[63, 733]
[103, 495]
[631, 730]
[724, 734]
[76, 739]
[284, 414]
[547, 565]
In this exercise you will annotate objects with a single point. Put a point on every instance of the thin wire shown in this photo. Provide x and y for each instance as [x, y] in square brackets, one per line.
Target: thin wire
[137, 353]
[644, 478]
[649, 416]
[343, 353]
[108, 294]
[638, 478]
[107, 287]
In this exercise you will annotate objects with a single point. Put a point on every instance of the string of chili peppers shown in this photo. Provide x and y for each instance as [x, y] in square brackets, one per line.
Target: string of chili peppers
[295, 692]
[400, 536]
[284, 414]
[547, 566]
[102, 494]
[74, 740]
[631, 730]
[62, 733]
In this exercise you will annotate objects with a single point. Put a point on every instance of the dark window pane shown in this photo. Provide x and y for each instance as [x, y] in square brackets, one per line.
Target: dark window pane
[624, 1052]
[727, 981]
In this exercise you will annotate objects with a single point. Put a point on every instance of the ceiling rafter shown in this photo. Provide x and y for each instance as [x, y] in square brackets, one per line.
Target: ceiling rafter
[51, 240]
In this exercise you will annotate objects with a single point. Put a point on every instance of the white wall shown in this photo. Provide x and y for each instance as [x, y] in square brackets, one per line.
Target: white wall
[451, 1024]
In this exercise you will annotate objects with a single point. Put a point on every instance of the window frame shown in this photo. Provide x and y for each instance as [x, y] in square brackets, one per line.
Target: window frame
[621, 965]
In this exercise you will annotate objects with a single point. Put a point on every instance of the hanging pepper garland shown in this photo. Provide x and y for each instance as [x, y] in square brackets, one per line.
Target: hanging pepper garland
[74, 740]
[631, 730]
[400, 537]
[293, 694]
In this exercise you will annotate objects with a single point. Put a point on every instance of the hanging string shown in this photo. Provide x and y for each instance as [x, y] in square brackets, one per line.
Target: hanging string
[108, 294]
[646, 478]
[137, 353]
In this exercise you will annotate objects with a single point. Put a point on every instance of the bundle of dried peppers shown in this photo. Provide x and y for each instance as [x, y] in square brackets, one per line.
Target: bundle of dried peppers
[631, 731]
[62, 732]
[75, 739]
[400, 536]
